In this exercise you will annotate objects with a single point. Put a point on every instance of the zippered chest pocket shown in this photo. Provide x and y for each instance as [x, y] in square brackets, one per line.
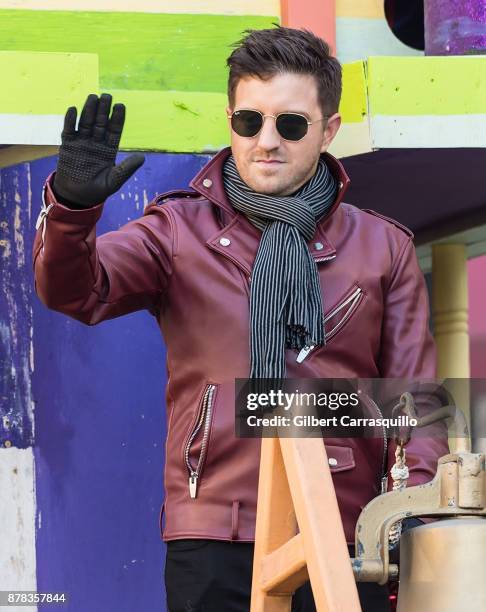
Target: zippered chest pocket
[336, 318]
[196, 444]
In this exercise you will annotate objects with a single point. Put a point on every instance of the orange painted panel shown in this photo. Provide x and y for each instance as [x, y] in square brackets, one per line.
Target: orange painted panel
[318, 16]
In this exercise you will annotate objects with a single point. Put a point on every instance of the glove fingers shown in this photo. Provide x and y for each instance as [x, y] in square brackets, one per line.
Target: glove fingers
[121, 173]
[88, 115]
[101, 120]
[115, 125]
[69, 129]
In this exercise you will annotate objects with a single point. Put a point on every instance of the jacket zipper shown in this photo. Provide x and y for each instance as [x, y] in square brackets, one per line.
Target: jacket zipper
[42, 218]
[204, 421]
[325, 258]
[353, 299]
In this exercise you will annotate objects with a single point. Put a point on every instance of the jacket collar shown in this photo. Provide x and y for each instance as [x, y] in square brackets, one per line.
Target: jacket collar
[239, 239]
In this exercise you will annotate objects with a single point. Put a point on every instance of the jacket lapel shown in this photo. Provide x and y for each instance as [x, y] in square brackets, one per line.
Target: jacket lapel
[238, 241]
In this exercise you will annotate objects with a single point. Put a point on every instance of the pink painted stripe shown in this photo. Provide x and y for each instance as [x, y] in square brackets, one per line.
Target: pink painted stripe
[318, 16]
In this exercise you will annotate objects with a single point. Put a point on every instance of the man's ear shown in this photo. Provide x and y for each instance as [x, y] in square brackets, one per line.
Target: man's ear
[229, 110]
[332, 126]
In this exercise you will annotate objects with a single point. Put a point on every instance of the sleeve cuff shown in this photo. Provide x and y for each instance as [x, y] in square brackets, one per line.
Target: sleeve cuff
[86, 216]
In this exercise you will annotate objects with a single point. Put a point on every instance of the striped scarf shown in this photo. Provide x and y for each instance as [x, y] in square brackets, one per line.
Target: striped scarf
[285, 299]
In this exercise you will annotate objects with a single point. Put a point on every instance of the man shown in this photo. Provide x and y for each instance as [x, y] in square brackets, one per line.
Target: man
[261, 270]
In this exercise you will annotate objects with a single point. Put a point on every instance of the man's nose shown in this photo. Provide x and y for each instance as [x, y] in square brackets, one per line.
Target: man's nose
[269, 138]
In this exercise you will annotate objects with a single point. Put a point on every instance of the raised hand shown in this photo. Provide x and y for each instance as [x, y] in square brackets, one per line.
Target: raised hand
[86, 172]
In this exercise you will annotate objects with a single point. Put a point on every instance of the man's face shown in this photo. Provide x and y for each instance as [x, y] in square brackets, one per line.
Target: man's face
[266, 162]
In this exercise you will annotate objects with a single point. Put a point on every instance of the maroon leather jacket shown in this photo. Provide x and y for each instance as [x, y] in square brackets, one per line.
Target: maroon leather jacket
[188, 260]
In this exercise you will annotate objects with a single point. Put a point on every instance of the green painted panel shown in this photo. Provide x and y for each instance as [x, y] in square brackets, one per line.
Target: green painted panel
[28, 81]
[139, 51]
[174, 121]
[353, 101]
[453, 85]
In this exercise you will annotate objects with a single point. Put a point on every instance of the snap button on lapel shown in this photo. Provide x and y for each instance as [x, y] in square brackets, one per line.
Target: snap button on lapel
[224, 241]
[207, 182]
[332, 461]
[319, 246]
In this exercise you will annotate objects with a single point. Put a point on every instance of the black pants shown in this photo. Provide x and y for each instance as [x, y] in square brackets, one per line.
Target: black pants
[213, 576]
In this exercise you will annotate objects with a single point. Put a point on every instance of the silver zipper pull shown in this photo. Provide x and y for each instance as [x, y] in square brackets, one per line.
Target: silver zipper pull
[42, 215]
[193, 485]
[384, 484]
[304, 352]
[40, 218]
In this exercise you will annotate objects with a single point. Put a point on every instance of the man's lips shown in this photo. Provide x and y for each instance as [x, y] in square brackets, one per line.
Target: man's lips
[268, 161]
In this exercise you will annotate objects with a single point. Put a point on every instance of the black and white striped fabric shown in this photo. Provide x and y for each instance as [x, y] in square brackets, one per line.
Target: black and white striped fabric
[285, 298]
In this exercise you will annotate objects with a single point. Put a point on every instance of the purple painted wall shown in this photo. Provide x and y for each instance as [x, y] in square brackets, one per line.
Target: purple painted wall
[455, 27]
[16, 402]
[99, 423]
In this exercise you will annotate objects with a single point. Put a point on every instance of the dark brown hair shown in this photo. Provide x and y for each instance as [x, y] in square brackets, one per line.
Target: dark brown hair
[265, 53]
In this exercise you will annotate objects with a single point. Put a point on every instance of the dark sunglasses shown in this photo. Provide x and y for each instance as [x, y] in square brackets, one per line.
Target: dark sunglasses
[290, 126]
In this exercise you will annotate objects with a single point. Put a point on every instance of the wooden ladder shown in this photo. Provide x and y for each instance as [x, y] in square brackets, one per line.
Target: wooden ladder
[299, 532]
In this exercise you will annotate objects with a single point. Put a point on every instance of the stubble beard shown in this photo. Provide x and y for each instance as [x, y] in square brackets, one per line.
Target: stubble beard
[277, 186]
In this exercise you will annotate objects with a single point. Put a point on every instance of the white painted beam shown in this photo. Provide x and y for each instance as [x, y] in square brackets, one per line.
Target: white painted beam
[17, 522]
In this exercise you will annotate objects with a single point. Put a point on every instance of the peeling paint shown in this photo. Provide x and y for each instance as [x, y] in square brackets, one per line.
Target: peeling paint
[31, 349]
[19, 239]
[183, 106]
[16, 325]
[29, 195]
[6, 246]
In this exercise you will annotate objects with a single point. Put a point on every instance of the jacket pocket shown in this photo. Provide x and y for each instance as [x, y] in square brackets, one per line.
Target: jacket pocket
[336, 318]
[196, 443]
[340, 458]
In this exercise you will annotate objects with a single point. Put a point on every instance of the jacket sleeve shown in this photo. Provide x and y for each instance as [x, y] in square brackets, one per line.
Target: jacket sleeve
[408, 353]
[94, 278]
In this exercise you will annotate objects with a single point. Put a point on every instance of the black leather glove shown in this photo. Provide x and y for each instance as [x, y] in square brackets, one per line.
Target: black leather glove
[86, 173]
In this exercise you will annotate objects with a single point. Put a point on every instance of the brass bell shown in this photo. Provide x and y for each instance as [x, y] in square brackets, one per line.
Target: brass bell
[442, 566]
